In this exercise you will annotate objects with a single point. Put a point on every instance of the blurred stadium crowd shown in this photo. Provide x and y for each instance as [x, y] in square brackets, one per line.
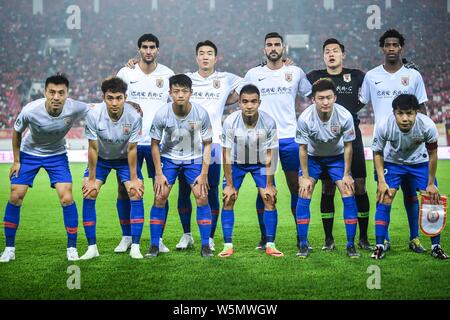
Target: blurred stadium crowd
[108, 38]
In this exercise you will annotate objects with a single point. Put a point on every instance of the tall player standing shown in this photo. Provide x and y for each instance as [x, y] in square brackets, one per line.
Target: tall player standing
[279, 85]
[48, 120]
[148, 85]
[381, 85]
[348, 83]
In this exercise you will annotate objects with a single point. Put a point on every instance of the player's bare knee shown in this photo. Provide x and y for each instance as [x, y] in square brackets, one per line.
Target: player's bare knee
[66, 199]
[16, 197]
[228, 204]
[92, 196]
[201, 200]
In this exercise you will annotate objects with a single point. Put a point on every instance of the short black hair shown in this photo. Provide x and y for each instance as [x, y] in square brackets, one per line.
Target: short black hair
[59, 78]
[207, 43]
[249, 89]
[181, 80]
[323, 84]
[392, 33]
[405, 102]
[273, 35]
[333, 41]
[148, 37]
[114, 85]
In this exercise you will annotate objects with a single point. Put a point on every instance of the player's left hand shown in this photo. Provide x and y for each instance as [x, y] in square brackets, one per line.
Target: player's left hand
[130, 64]
[270, 194]
[136, 186]
[89, 188]
[305, 187]
[288, 62]
[433, 192]
[349, 183]
[202, 181]
[14, 170]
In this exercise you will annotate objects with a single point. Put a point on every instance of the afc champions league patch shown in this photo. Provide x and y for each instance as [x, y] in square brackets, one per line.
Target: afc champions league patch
[160, 82]
[67, 121]
[347, 77]
[432, 217]
[288, 76]
[405, 80]
[126, 129]
[216, 84]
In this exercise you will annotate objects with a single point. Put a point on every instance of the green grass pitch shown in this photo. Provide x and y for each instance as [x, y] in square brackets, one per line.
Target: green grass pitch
[40, 269]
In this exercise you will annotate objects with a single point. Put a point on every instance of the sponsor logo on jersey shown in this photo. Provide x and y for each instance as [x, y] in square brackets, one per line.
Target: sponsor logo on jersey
[216, 84]
[405, 80]
[347, 77]
[288, 76]
[335, 128]
[126, 129]
[18, 122]
[160, 82]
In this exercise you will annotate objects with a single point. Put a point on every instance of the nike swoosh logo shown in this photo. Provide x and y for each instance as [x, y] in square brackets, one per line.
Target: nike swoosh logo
[101, 129]
[378, 82]
[131, 82]
[261, 79]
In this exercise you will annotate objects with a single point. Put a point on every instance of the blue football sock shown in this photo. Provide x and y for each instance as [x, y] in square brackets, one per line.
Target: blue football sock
[260, 213]
[271, 221]
[137, 220]
[89, 220]
[11, 223]
[382, 219]
[412, 207]
[204, 223]
[350, 219]
[184, 205]
[213, 200]
[123, 209]
[303, 215]
[227, 225]
[156, 224]
[70, 214]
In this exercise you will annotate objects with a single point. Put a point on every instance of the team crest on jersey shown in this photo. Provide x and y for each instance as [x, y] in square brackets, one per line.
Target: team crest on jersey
[405, 80]
[160, 82]
[216, 84]
[67, 121]
[288, 76]
[335, 128]
[126, 129]
[418, 139]
[193, 125]
[347, 77]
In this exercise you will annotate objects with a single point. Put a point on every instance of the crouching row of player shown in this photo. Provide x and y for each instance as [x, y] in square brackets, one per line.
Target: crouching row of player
[181, 145]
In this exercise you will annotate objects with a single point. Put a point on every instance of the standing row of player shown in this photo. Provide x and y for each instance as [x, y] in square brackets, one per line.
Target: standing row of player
[275, 88]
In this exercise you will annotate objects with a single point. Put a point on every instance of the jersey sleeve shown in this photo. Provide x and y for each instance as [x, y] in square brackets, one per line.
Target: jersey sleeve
[122, 74]
[157, 128]
[227, 135]
[349, 133]
[304, 86]
[21, 122]
[379, 139]
[234, 81]
[302, 136]
[247, 80]
[431, 134]
[364, 94]
[272, 137]
[420, 92]
[90, 127]
[206, 127]
[136, 131]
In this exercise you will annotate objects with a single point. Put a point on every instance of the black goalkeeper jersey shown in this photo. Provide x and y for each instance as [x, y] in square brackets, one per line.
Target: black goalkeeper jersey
[348, 83]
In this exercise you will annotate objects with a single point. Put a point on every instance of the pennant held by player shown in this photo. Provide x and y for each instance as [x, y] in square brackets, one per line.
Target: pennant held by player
[432, 217]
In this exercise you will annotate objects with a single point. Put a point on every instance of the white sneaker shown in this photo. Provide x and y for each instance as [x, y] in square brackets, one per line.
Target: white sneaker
[135, 251]
[212, 245]
[72, 254]
[186, 241]
[162, 247]
[8, 255]
[124, 244]
[91, 253]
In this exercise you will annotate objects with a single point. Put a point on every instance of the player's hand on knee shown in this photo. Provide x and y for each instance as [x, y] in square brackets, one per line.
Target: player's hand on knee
[349, 184]
[305, 187]
[433, 192]
[383, 192]
[229, 195]
[14, 170]
[270, 194]
[160, 183]
[136, 189]
[89, 189]
[202, 182]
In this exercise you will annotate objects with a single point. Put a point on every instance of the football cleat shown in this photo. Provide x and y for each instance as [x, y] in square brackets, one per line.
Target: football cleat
[364, 244]
[162, 247]
[152, 252]
[124, 245]
[92, 252]
[416, 246]
[439, 253]
[227, 251]
[72, 254]
[387, 245]
[329, 245]
[206, 251]
[351, 252]
[303, 252]
[261, 245]
[378, 253]
[271, 250]
[135, 251]
[212, 245]
[309, 246]
[8, 255]
[186, 241]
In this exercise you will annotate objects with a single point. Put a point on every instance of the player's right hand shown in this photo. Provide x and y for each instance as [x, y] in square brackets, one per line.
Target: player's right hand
[160, 183]
[89, 188]
[433, 192]
[305, 187]
[229, 194]
[131, 63]
[14, 170]
[383, 190]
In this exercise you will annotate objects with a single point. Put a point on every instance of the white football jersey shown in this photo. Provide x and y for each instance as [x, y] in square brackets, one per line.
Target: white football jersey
[405, 148]
[113, 136]
[150, 91]
[278, 89]
[46, 133]
[325, 139]
[181, 139]
[381, 88]
[249, 145]
[212, 93]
